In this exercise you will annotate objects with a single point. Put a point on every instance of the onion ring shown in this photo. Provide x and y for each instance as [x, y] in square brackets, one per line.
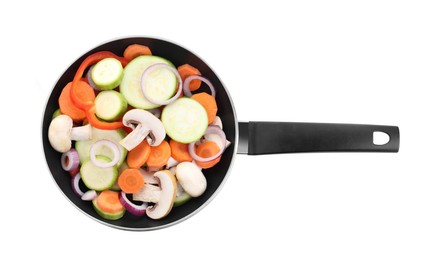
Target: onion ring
[89, 195]
[70, 160]
[188, 80]
[90, 80]
[148, 71]
[210, 130]
[109, 144]
[137, 210]
[75, 185]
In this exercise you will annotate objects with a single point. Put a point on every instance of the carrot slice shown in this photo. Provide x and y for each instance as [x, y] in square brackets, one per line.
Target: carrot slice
[159, 155]
[205, 150]
[108, 201]
[67, 107]
[131, 180]
[179, 151]
[208, 102]
[135, 50]
[137, 156]
[84, 92]
[186, 70]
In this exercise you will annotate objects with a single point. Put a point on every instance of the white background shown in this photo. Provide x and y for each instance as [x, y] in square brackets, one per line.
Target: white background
[372, 62]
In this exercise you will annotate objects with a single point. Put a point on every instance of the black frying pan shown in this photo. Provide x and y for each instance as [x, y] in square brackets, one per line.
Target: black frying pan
[247, 138]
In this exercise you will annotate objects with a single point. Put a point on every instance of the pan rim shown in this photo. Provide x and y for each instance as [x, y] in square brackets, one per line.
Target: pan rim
[235, 141]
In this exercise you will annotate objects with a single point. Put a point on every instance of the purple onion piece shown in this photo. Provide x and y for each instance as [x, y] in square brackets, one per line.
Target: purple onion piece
[210, 130]
[70, 160]
[90, 80]
[89, 195]
[187, 91]
[75, 185]
[137, 210]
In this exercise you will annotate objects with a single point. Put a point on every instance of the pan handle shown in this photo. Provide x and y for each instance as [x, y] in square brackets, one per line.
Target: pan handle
[285, 137]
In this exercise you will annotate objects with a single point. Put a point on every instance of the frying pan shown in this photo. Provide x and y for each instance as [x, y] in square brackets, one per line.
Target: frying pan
[251, 138]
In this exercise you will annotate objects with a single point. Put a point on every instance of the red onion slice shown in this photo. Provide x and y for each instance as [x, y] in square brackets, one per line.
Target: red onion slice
[210, 130]
[70, 160]
[109, 144]
[137, 210]
[90, 80]
[89, 195]
[188, 80]
[75, 185]
[217, 122]
[144, 78]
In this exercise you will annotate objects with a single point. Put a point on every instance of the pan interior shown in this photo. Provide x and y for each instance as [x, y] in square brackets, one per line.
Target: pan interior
[215, 176]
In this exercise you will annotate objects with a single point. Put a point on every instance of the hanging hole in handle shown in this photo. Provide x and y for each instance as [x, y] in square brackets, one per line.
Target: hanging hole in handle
[380, 138]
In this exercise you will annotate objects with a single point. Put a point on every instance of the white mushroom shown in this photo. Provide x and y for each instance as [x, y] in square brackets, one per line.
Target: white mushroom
[168, 186]
[144, 124]
[191, 178]
[62, 133]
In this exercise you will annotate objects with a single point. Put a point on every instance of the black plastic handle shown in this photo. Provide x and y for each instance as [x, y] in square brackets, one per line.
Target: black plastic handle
[282, 137]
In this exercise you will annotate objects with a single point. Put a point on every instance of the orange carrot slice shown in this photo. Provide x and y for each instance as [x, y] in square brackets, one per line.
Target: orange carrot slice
[108, 201]
[67, 107]
[179, 151]
[205, 150]
[131, 181]
[186, 70]
[137, 156]
[159, 155]
[209, 103]
[135, 50]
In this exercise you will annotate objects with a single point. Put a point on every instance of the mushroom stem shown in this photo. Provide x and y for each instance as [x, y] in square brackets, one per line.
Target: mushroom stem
[81, 133]
[148, 193]
[135, 137]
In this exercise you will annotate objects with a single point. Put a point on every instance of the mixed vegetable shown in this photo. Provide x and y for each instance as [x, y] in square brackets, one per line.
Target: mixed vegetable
[132, 132]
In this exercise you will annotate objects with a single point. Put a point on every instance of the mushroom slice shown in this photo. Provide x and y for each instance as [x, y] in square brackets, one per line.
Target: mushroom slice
[168, 188]
[144, 124]
[148, 193]
[61, 133]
